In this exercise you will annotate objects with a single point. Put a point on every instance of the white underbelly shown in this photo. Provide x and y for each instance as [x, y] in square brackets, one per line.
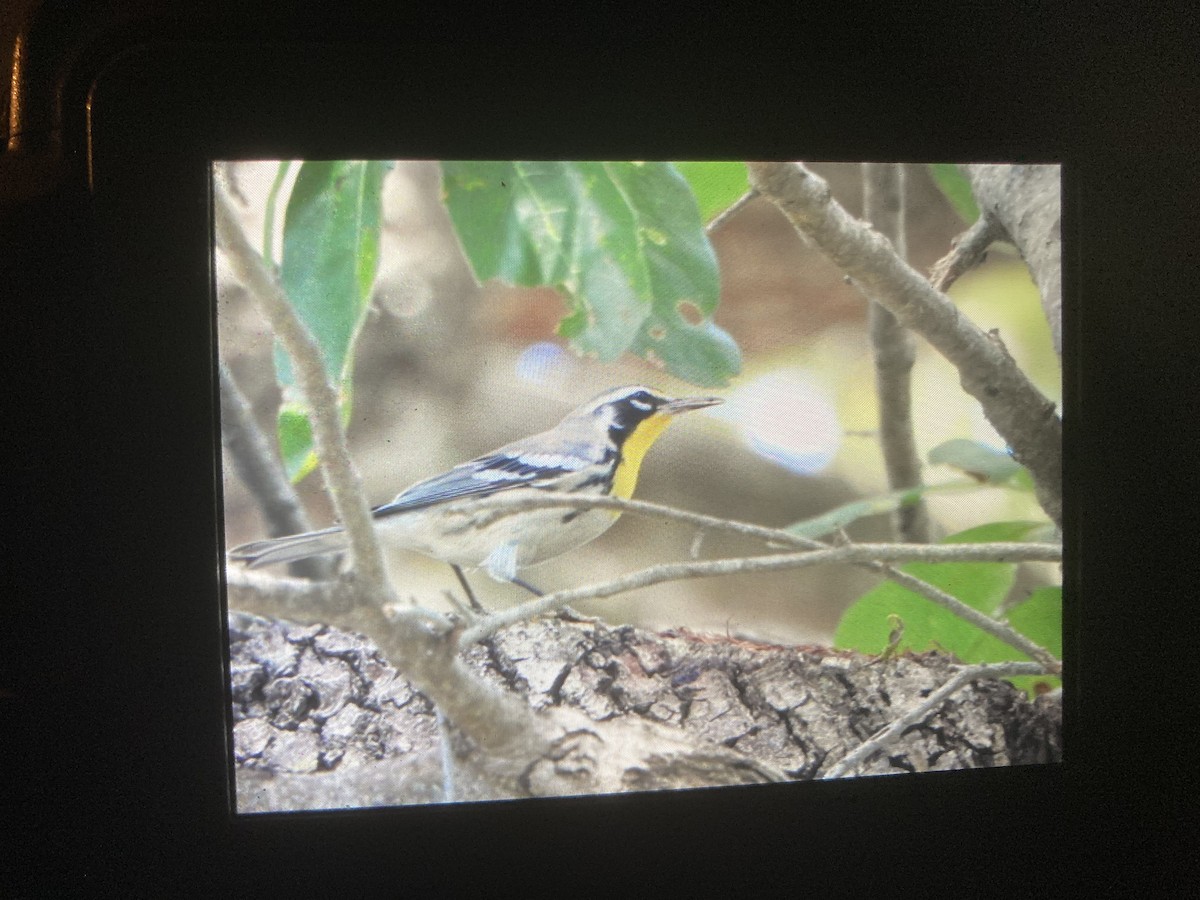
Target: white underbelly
[506, 545]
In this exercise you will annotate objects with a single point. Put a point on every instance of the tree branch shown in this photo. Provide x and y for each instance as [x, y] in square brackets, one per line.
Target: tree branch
[484, 512]
[420, 643]
[1026, 204]
[481, 513]
[259, 471]
[293, 599]
[919, 713]
[341, 478]
[883, 205]
[859, 553]
[732, 210]
[1016, 409]
[968, 251]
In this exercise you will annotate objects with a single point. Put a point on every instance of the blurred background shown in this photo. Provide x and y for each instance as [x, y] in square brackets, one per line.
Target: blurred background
[447, 369]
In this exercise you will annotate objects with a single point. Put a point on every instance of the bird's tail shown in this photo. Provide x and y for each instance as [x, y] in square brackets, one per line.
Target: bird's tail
[291, 548]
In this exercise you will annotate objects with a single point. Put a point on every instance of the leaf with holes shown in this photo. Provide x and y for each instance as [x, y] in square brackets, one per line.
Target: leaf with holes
[623, 244]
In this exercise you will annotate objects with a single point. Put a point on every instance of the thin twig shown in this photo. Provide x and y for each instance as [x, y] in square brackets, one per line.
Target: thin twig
[479, 513]
[968, 251]
[297, 599]
[260, 472]
[919, 713]
[857, 553]
[483, 512]
[983, 622]
[894, 352]
[728, 213]
[1017, 410]
[341, 477]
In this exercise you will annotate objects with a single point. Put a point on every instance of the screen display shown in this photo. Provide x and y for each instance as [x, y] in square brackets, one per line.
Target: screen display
[554, 478]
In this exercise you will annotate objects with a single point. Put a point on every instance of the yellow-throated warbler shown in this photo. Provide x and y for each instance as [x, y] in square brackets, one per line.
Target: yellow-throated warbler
[597, 450]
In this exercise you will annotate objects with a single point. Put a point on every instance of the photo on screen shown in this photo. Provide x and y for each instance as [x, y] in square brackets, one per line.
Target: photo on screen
[556, 478]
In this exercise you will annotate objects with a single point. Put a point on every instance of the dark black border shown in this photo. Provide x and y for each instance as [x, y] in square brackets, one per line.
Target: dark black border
[119, 772]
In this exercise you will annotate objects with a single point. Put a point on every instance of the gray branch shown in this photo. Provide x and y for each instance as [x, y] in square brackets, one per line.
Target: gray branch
[853, 554]
[968, 251]
[883, 206]
[1025, 202]
[1016, 409]
[420, 643]
[341, 477]
[260, 472]
[483, 512]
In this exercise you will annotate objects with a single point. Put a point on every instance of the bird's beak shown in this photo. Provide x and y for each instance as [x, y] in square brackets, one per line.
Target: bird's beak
[684, 404]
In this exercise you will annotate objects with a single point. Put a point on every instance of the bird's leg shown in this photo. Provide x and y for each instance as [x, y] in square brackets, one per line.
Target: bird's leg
[462, 579]
[529, 587]
[566, 613]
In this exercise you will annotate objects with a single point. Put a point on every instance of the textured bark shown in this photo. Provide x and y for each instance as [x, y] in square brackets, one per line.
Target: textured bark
[321, 721]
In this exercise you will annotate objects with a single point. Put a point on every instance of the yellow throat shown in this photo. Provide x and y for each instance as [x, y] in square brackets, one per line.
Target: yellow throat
[634, 450]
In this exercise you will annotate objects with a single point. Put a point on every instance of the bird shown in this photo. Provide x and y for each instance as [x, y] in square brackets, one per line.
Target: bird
[596, 450]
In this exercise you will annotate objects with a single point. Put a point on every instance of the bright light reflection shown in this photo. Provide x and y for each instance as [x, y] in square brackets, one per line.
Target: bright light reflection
[787, 417]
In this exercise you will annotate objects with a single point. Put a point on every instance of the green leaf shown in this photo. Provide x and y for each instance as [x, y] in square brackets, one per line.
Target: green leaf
[848, 513]
[1039, 618]
[981, 462]
[621, 241]
[704, 354]
[296, 440]
[717, 185]
[957, 188]
[980, 585]
[1022, 481]
[330, 258]
[296, 446]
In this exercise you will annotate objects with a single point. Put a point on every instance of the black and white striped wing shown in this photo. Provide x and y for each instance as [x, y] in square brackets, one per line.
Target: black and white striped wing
[483, 477]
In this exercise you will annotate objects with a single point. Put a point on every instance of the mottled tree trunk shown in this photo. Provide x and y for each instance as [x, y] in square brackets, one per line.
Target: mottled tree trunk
[320, 720]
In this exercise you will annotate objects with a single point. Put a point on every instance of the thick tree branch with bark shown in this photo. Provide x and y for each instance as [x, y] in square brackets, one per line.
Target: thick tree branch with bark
[323, 721]
[1016, 408]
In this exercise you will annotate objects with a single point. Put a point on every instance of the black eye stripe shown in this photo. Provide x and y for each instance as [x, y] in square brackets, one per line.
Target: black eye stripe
[628, 412]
